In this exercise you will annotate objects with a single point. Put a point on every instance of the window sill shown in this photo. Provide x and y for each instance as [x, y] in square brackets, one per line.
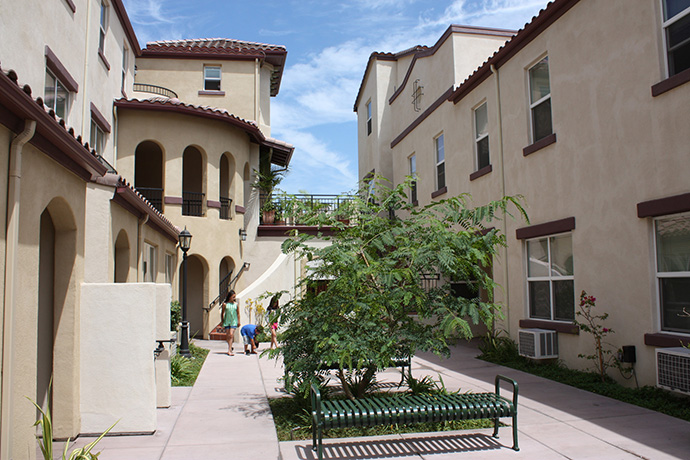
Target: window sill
[670, 83]
[211, 93]
[481, 172]
[439, 192]
[240, 209]
[666, 339]
[104, 60]
[563, 327]
[540, 144]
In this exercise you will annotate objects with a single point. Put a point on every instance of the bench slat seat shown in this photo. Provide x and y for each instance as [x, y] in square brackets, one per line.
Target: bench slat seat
[388, 410]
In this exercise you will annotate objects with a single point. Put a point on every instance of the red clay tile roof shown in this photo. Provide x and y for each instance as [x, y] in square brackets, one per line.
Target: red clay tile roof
[282, 150]
[221, 49]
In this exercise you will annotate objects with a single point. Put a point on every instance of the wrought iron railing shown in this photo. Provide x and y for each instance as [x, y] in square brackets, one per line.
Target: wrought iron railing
[192, 204]
[154, 89]
[154, 195]
[225, 207]
[290, 209]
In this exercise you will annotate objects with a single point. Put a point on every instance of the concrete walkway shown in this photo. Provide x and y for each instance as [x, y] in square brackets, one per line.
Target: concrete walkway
[226, 416]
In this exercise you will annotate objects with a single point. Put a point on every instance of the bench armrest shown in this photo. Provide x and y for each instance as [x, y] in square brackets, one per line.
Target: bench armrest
[512, 382]
[315, 404]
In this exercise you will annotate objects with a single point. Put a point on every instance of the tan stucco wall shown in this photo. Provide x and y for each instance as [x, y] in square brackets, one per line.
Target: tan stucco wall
[616, 146]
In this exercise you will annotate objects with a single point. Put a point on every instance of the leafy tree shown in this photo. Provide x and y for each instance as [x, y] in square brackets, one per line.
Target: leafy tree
[374, 307]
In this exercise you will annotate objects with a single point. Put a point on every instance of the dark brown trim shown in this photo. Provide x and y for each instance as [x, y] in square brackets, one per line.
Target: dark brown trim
[213, 204]
[547, 228]
[439, 192]
[431, 51]
[211, 93]
[51, 137]
[252, 130]
[661, 339]
[104, 60]
[240, 209]
[464, 89]
[437, 103]
[540, 144]
[481, 172]
[121, 12]
[98, 117]
[173, 200]
[71, 5]
[60, 71]
[565, 328]
[670, 83]
[285, 230]
[134, 203]
[664, 206]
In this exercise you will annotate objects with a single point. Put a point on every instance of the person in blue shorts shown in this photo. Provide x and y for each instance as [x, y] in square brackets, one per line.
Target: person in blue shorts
[249, 332]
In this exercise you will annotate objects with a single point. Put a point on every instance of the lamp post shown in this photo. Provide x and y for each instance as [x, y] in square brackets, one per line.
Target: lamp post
[185, 242]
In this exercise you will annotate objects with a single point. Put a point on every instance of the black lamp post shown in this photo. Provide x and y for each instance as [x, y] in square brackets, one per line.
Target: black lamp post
[185, 242]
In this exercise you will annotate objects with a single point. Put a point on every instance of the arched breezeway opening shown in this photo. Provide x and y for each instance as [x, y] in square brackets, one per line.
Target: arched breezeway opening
[193, 183]
[197, 293]
[227, 172]
[149, 172]
[121, 257]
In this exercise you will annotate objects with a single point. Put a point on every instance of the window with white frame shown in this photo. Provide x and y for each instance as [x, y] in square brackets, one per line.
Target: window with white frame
[97, 137]
[673, 272]
[212, 74]
[676, 27]
[440, 163]
[550, 278]
[368, 118]
[413, 173]
[481, 136]
[540, 100]
[125, 51]
[169, 267]
[56, 95]
[103, 27]
[149, 263]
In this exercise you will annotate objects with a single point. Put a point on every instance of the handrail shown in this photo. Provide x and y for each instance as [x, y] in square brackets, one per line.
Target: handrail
[154, 89]
[231, 284]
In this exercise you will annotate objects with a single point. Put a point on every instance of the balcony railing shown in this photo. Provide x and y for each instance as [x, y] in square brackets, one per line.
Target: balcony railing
[290, 209]
[154, 195]
[192, 204]
[154, 89]
[225, 207]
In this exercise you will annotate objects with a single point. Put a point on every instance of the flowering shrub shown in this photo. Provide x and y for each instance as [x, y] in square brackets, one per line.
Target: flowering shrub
[593, 324]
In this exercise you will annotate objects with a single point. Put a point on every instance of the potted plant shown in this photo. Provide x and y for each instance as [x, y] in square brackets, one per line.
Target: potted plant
[266, 180]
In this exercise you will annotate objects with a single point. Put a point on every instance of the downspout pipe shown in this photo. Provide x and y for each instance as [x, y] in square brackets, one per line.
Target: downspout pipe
[499, 116]
[11, 244]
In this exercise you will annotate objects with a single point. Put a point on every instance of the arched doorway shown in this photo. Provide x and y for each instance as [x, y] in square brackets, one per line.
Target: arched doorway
[192, 182]
[148, 172]
[226, 271]
[227, 172]
[57, 356]
[247, 184]
[197, 293]
[121, 257]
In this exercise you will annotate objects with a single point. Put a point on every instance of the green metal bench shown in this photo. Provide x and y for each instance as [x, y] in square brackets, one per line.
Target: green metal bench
[388, 410]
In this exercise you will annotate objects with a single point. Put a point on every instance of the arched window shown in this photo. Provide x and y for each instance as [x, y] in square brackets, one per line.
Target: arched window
[192, 182]
[121, 257]
[227, 172]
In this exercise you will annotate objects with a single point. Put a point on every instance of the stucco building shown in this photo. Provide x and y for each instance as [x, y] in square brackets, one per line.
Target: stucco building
[108, 152]
[582, 113]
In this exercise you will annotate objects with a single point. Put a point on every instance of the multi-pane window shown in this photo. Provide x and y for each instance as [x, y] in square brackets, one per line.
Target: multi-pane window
[149, 263]
[368, 118]
[550, 280]
[124, 68]
[413, 173]
[540, 100]
[56, 95]
[212, 75]
[673, 272]
[103, 27]
[677, 34]
[481, 136]
[440, 163]
[97, 137]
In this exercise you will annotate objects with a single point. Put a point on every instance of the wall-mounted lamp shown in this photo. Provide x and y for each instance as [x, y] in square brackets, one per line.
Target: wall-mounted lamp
[245, 266]
[243, 234]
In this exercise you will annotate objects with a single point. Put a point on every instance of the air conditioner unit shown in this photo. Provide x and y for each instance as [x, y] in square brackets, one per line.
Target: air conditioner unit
[538, 343]
[673, 369]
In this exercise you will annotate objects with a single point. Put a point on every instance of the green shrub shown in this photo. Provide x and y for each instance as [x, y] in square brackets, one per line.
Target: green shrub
[175, 314]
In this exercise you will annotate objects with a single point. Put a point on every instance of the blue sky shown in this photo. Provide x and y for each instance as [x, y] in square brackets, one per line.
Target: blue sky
[328, 43]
